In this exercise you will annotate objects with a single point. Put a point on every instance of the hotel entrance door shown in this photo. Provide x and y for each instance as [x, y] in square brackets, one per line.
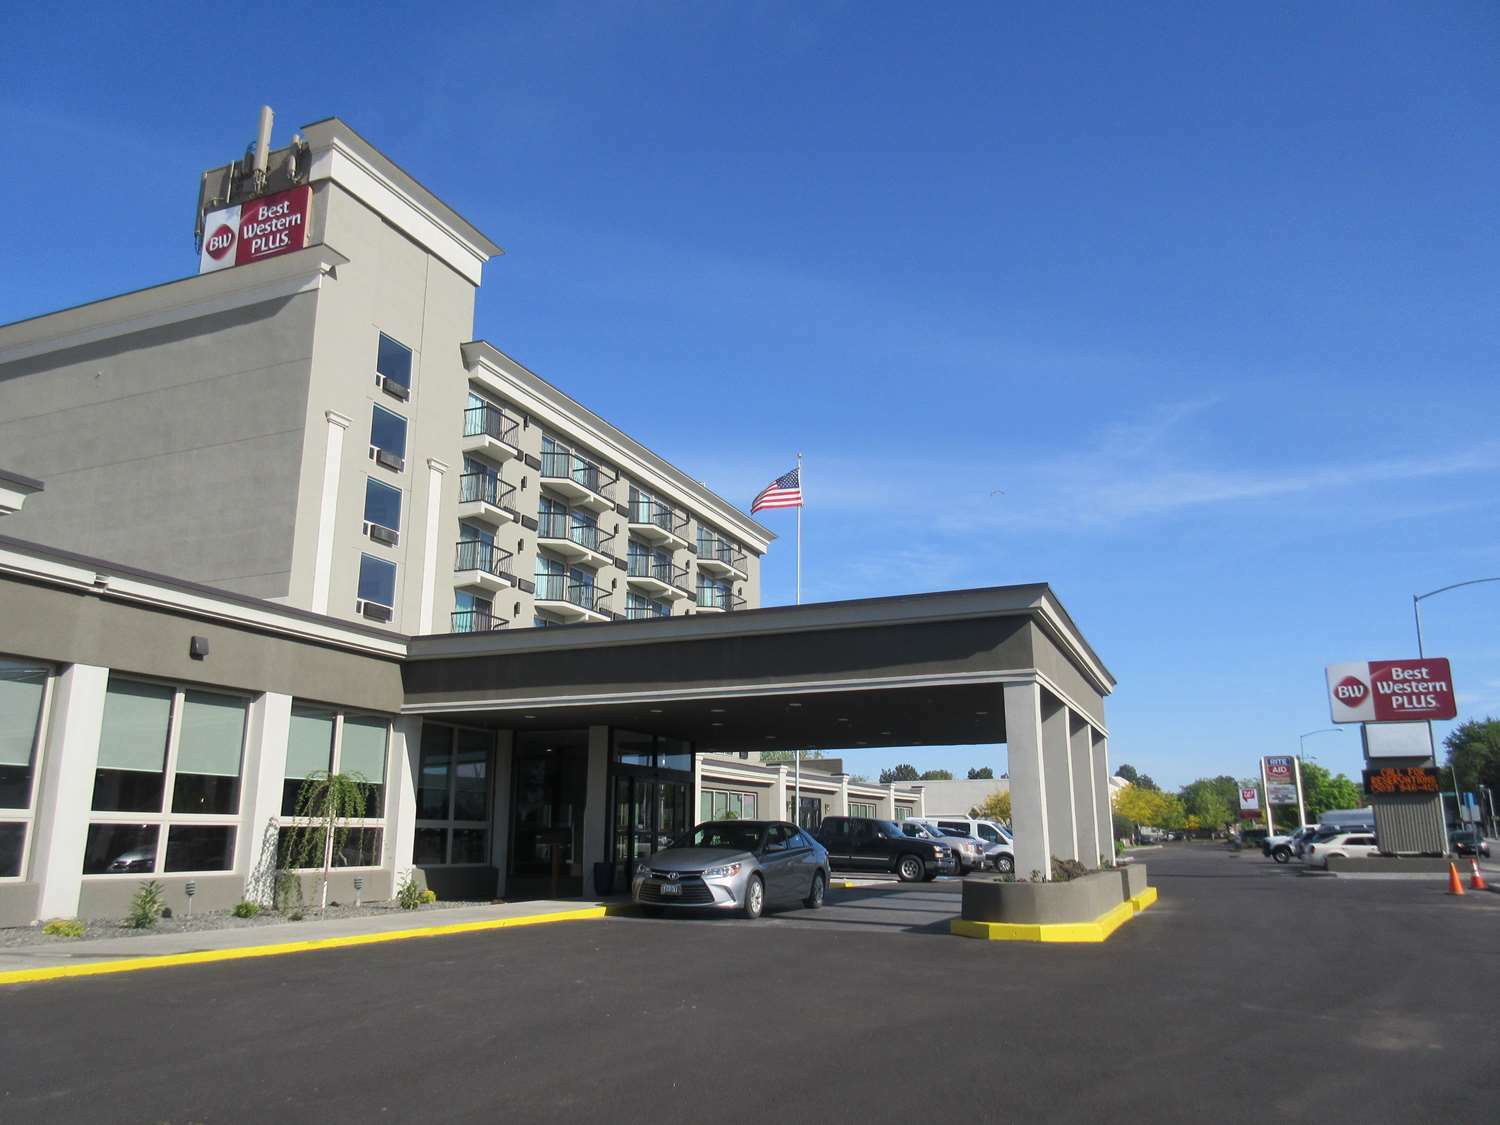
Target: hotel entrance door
[651, 783]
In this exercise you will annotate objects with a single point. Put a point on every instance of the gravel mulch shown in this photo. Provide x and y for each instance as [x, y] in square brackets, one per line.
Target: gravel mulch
[212, 920]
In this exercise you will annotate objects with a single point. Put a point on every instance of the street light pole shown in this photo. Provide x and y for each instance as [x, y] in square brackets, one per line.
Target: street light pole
[1301, 753]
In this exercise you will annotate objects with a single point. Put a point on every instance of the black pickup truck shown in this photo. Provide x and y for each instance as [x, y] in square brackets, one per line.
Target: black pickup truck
[859, 843]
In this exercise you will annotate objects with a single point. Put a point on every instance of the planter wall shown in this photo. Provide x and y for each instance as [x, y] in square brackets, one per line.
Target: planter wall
[1133, 879]
[1079, 900]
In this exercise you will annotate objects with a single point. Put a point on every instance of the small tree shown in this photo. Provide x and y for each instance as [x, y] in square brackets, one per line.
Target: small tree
[983, 773]
[326, 802]
[1127, 771]
[777, 757]
[996, 807]
[902, 772]
[936, 775]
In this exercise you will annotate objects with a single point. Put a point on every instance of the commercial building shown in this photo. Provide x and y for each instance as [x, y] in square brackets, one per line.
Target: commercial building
[292, 517]
[315, 424]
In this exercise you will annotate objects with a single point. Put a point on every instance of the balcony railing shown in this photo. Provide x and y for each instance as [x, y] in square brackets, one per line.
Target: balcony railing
[579, 470]
[493, 422]
[561, 588]
[476, 554]
[646, 612]
[562, 525]
[643, 566]
[714, 549]
[712, 597]
[664, 516]
[486, 487]
[476, 621]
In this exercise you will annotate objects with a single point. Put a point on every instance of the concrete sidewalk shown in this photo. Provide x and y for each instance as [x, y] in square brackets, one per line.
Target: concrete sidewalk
[86, 958]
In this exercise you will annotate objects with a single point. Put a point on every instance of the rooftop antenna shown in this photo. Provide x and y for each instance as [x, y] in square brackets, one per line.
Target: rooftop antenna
[263, 148]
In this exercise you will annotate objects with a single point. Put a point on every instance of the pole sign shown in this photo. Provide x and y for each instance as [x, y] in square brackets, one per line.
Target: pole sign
[1281, 780]
[1249, 802]
[1396, 780]
[1391, 691]
[255, 229]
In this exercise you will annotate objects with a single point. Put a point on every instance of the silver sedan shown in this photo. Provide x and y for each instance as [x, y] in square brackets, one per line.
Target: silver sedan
[743, 865]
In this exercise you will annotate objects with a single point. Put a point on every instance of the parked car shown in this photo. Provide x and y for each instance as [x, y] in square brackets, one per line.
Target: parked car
[744, 865]
[1326, 832]
[968, 850]
[859, 843]
[1279, 848]
[995, 838]
[1466, 841]
[1351, 845]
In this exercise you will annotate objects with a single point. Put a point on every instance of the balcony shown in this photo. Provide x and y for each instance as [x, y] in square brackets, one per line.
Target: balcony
[476, 621]
[486, 498]
[713, 600]
[574, 540]
[721, 558]
[492, 433]
[647, 613]
[659, 524]
[572, 601]
[656, 580]
[481, 565]
[583, 483]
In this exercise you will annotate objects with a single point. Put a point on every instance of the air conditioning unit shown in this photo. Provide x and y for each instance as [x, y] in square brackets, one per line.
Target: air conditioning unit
[374, 610]
[389, 460]
[394, 389]
[382, 534]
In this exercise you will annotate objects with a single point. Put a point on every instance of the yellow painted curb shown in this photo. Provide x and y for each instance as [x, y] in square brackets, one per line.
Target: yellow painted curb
[206, 956]
[1094, 931]
[843, 884]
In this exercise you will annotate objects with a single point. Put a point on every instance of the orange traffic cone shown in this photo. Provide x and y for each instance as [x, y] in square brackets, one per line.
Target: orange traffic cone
[1476, 880]
[1455, 887]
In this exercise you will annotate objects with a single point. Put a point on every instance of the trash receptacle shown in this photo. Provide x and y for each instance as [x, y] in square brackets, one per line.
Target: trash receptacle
[604, 879]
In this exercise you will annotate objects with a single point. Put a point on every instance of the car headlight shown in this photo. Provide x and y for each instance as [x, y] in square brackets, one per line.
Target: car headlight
[723, 871]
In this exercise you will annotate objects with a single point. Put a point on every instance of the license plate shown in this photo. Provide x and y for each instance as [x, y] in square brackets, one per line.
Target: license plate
[671, 889]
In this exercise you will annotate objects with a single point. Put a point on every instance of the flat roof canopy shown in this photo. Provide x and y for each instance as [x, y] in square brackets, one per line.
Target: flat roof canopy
[923, 668]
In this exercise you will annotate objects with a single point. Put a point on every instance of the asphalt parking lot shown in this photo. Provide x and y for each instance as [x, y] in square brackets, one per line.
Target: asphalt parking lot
[1247, 993]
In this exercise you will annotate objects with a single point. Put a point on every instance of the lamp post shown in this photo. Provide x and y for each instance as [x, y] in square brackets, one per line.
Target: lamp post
[1416, 613]
[1301, 753]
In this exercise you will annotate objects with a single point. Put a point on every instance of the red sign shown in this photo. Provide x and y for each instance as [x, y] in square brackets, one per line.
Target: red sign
[1391, 691]
[1279, 769]
[255, 229]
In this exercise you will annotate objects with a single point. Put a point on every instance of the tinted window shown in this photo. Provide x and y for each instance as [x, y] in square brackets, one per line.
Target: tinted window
[377, 580]
[962, 827]
[388, 432]
[732, 835]
[393, 360]
[986, 832]
[382, 504]
[834, 826]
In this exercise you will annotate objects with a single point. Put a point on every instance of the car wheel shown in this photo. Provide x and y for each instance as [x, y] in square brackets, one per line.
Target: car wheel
[1005, 865]
[909, 869]
[814, 897]
[1281, 855]
[755, 898]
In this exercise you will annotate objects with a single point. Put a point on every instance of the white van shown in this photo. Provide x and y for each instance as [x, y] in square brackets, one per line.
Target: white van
[999, 850]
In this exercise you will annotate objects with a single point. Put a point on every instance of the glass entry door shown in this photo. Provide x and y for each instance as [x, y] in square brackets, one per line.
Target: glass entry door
[649, 813]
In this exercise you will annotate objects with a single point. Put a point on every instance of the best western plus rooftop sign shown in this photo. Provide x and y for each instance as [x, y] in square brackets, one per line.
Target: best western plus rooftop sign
[1391, 691]
[255, 229]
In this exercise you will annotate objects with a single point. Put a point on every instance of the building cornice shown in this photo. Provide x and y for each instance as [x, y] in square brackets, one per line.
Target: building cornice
[170, 303]
[529, 392]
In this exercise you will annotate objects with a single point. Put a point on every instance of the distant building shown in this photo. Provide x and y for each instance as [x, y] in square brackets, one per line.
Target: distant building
[959, 796]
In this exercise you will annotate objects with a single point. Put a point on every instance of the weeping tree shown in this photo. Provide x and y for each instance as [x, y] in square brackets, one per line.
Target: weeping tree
[326, 803]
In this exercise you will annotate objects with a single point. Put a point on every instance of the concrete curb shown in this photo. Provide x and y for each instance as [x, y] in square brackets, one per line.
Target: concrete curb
[1095, 931]
[238, 953]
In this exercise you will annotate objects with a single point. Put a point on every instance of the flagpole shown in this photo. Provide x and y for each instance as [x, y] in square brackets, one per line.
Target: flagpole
[800, 502]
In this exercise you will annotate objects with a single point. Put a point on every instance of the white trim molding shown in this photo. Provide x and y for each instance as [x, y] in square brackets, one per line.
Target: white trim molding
[333, 456]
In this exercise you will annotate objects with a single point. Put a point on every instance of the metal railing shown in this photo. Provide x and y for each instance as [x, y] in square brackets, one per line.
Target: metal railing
[646, 612]
[476, 621]
[561, 588]
[661, 515]
[644, 566]
[713, 597]
[721, 550]
[486, 487]
[563, 525]
[476, 554]
[493, 422]
[579, 470]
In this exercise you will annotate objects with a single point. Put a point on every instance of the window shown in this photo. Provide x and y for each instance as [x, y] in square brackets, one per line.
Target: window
[377, 583]
[902, 812]
[322, 740]
[552, 519]
[393, 363]
[382, 511]
[167, 783]
[453, 797]
[472, 614]
[638, 607]
[388, 436]
[23, 695]
[861, 808]
[719, 804]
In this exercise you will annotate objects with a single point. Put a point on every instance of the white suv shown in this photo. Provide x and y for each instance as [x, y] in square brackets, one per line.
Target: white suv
[999, 851]
[1350, 845]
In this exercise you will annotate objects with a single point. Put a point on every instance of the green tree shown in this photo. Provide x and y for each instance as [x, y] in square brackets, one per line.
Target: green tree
[1144, 781]
[1150, 807]
[1322, 790]
[1474, 753]
[777, 757]
[995, 807]
[901, 772]
[1127, 771]
[1212, 800]
[936, 775]
[983, 773]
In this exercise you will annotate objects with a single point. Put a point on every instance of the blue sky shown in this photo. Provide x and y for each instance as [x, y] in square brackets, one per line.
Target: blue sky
[1210, 294]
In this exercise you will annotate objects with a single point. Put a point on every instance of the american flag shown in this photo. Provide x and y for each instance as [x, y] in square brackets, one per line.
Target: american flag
[783, 492]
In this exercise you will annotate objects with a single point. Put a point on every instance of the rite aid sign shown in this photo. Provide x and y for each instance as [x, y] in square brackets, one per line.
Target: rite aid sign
[1391, 691]
[256, 229]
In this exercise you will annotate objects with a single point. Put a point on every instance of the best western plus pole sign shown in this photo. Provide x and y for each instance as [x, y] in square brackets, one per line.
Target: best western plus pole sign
[255, 229]
[1391, 691]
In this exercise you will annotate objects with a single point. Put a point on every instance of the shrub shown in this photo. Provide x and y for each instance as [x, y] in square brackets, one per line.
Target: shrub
[1066, 870]
[409, 896]
[1119, 847]
[245, 909]
[63, 927]
[147, 906]
[429, 896]
[294, 916]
